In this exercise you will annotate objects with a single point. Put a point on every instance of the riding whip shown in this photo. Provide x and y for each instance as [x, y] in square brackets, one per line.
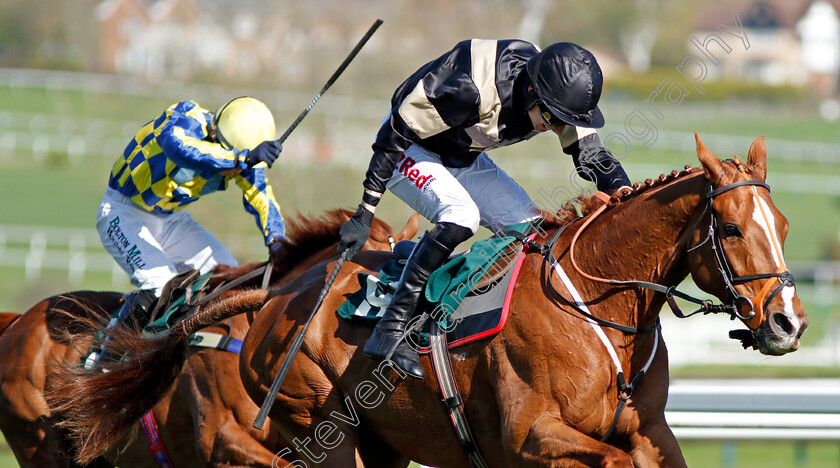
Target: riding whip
[293, 350]
[333, 78]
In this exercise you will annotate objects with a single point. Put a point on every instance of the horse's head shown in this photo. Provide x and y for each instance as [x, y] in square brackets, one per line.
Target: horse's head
[737, 251]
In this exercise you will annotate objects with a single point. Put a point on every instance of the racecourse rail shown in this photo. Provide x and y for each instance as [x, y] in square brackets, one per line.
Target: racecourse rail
[791, 410]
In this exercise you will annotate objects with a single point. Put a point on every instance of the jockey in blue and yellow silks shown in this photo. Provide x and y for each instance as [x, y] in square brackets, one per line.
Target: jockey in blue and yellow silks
[172, 161]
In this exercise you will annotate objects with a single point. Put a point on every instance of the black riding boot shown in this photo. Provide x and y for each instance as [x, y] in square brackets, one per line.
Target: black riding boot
[134, 302]
[428, 255]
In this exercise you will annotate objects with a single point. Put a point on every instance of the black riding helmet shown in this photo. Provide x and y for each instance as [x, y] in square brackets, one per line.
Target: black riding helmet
[567, 80]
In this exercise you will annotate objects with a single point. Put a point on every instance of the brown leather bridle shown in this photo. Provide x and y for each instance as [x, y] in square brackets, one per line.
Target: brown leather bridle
[750, 310]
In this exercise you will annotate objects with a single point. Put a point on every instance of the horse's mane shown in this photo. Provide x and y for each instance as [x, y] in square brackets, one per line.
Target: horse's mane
[584, 204]
[313, 233]
[306, 235]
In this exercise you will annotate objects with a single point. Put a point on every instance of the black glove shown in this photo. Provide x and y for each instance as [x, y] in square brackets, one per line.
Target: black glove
[275, 245]
[355, 232]
[266, 152]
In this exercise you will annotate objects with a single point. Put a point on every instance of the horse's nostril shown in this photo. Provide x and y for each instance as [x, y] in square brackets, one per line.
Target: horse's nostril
[781, 320]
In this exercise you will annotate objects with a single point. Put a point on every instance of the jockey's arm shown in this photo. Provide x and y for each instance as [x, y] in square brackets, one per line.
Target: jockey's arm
[424, 106]
[593, 161]
[181, 144]
[258, 199]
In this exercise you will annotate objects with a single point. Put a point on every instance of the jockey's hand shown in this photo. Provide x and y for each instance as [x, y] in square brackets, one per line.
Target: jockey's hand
[266, 152]
[355, 232]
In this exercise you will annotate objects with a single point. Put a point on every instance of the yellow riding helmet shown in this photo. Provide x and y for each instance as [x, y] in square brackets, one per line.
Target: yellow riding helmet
[243, 123]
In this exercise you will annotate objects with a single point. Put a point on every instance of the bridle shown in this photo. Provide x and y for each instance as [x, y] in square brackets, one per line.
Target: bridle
[755, 315]
[756, 305]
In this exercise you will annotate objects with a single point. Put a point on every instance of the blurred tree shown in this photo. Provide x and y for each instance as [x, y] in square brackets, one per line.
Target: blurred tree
[16, 43]
[291, 44]
[47, 34]
[635, 29]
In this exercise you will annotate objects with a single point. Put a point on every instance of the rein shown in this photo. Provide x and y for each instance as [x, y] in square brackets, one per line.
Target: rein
[755, 316]
[578, 305]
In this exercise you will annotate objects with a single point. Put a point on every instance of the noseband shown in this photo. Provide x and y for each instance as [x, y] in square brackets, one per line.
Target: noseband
[756, 305]
[755, 315]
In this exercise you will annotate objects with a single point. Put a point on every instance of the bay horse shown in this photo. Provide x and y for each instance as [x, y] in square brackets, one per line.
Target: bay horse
[546, 390]
[205, 419]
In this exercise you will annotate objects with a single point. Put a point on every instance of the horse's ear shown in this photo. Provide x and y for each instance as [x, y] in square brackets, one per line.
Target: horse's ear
[410, 228]
[757, 158]
[711, 164]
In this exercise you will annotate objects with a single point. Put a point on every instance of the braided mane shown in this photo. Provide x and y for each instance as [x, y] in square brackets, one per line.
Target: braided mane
[584, 205]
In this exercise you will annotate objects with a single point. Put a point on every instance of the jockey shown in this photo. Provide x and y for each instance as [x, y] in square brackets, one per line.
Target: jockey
[184, 154]
[430, 152]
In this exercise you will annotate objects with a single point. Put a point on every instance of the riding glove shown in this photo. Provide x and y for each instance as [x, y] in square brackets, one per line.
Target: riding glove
[266, 152]
[355, 232]
[275, 245]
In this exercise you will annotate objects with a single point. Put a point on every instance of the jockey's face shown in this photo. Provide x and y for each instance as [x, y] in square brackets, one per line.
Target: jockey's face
[539, 122]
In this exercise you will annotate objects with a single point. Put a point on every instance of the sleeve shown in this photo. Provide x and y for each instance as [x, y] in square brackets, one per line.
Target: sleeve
[258, 199]
[182, 140]
[442, 98]
[592, 160]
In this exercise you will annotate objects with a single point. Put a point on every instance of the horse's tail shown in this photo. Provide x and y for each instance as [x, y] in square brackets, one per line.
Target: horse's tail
[6, 319]
[98, 407]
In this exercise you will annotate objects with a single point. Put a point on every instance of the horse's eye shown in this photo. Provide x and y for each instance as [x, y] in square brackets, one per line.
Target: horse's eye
[730, 230]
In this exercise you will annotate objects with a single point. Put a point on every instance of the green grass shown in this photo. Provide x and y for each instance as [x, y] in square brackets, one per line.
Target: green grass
[781, 454]
[7, 457]
[811, 129]
[753, 372]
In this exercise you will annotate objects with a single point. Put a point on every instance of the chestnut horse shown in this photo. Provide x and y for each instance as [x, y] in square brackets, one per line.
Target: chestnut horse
[205, 419]
[546, 389]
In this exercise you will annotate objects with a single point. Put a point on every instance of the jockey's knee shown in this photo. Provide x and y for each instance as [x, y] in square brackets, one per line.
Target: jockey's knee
[464, 216]
[450, 234]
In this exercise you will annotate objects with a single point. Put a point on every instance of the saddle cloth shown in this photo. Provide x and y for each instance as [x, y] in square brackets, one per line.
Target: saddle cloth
[458, 295]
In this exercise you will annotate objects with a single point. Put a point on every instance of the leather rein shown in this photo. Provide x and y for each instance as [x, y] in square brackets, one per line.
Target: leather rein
[753, 317]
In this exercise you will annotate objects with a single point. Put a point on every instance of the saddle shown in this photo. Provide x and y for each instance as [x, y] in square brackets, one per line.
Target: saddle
[179, 286]
[491, 274]
[466, 296]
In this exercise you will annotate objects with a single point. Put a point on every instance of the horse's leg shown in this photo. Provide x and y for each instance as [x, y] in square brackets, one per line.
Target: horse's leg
[551, 443]
[376, 453]
[338, 449]
[322, 430]
[655, 445]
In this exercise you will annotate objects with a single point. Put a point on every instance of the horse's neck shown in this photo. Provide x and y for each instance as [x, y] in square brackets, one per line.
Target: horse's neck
[641, 239]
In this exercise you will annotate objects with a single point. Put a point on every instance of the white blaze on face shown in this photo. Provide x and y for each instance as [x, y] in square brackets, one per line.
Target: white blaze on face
[764, 217]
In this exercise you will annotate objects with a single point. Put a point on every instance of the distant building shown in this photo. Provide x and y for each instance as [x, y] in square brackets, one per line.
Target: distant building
[790, 42]
[181, 38]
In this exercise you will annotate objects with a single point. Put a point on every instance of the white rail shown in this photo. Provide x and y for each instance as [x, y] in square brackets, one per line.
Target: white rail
[725, 410]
